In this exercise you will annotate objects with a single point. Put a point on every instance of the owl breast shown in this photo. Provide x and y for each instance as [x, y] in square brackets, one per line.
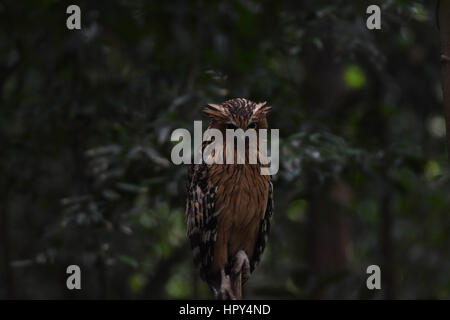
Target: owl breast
[240, 207]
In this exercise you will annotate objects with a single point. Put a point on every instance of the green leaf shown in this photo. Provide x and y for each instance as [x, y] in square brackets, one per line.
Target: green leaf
[129, 260]
[354, 77]
[297, 209]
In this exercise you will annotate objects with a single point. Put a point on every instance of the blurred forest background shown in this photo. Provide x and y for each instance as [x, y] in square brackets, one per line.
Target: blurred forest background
[85, 124]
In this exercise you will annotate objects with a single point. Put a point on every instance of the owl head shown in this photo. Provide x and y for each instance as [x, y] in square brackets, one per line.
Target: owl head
[238, 114]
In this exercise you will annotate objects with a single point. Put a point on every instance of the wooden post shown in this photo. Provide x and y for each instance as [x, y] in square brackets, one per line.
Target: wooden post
[236, 286]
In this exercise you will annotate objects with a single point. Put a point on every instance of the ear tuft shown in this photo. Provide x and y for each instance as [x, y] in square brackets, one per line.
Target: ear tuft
[261, 104]
[262, 109]
[214, 110]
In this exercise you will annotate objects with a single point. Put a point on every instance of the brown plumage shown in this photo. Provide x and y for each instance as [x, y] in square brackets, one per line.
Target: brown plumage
[229, 206]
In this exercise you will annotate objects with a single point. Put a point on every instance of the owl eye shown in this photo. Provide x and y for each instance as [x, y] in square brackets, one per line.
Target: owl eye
[252, 125]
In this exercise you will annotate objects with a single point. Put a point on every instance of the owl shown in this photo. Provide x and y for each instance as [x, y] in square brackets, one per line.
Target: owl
[229, 206]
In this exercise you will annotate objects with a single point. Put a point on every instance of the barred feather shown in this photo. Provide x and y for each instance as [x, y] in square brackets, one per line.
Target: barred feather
[200, 218]
[264, 231]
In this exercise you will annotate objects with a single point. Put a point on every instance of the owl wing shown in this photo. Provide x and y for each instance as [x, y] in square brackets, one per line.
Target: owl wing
[264, 230]
[200, 218]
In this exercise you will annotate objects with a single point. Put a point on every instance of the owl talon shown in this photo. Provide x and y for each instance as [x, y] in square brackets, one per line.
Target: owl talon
[241, 265]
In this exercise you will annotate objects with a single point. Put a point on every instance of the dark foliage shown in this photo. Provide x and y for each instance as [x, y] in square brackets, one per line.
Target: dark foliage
[85, 124]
